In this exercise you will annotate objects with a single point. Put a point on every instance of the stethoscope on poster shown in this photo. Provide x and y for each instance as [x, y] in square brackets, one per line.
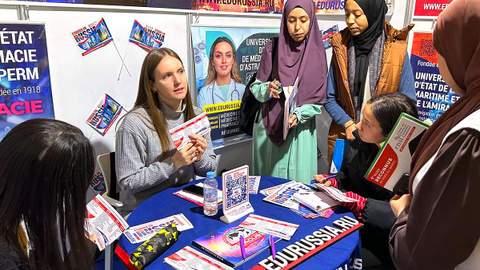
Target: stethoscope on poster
[231, 94]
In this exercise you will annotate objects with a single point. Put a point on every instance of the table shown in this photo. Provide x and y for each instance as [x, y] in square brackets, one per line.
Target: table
[165, 204]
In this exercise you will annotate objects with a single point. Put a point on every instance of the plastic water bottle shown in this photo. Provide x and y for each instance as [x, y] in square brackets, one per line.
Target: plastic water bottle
[210, 185]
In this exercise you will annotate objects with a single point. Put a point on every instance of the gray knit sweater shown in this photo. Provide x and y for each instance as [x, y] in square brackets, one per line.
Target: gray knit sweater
[140, 173]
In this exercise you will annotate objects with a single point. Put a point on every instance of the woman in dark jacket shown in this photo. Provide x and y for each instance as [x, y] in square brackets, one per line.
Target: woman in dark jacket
[378, 119]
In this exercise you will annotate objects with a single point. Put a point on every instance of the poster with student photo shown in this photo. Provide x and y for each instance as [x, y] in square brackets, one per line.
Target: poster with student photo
[434, 96]
[225, 60]
[25, 89]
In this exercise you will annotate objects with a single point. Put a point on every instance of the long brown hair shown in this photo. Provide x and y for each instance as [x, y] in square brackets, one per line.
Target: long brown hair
[147, 98]
[234, 73]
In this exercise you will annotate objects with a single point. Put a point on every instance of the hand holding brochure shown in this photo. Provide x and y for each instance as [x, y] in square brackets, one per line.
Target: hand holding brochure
[289, 106]
[335, 193]
[312, 200]
[197, 125]
[393, 160]
[103, 224]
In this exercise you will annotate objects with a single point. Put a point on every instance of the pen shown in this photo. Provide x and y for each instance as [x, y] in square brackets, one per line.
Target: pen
[272, 247]
[242, 246]
[330, 176]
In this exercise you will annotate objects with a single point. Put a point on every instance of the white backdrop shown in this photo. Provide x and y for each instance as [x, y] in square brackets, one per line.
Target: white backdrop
[78, 82]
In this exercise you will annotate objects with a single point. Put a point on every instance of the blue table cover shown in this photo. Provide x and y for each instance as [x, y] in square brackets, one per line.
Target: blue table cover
[164, 204]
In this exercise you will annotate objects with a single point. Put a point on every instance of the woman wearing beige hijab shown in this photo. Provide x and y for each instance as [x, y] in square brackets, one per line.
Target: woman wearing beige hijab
[438, 224]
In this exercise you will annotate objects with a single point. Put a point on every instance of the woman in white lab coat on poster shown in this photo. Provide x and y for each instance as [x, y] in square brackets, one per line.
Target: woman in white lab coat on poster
[223, 82]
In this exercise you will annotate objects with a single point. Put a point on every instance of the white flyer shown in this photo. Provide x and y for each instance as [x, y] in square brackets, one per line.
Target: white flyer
[284, 196]
[188, 258]
[198, 125]
[272, 189]
[254, 183]
[145, 231]
[275, 227]
[311, 200]
[103, 224]
[335, 193]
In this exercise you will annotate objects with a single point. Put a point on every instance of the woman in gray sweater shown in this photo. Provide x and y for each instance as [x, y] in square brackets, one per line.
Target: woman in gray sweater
[146, 159]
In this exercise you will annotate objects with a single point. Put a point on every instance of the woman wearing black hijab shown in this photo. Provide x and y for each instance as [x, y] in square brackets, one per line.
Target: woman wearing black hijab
[369, 59]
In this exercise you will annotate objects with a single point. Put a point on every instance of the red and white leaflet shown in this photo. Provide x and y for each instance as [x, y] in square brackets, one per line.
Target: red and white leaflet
[103, 224]
[145, 231]
[284, 195]
[274, 227]
[188, 258]
[335, 193]
[271, 190]
[198, 125]
[254, 183]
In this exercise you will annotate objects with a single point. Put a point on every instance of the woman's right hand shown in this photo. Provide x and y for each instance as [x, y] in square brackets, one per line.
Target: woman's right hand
[320, 178]
[273, 89]
[349, 129]
[185, 157]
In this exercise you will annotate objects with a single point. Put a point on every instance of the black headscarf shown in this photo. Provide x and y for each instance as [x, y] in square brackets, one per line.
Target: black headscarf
[375, 11]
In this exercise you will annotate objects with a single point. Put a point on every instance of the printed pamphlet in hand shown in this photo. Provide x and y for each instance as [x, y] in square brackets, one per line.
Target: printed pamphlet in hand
[289, 106]
[394, 158]
[103, 224]
[334, 193]
[143, 232]
[198, 125]
[317, 201]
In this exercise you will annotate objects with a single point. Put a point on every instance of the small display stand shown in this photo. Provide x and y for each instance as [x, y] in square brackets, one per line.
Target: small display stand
[236, 202]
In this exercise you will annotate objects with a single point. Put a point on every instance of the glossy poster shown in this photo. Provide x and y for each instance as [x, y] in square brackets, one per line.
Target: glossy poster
[434, 96]
[25, 89]
[225, 60]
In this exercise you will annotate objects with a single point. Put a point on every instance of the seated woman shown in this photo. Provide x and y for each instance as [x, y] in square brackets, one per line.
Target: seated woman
[378, 118]
[146, 159]
[45, 172]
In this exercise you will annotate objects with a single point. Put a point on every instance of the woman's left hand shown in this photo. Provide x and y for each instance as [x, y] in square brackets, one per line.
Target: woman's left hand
[292, 121]
[399, 204]
[201, 143]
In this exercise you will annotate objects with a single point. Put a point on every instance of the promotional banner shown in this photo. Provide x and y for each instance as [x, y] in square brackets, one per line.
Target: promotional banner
[430, 8]
[263, 6]
[225, 60]
[434, 96]
[336, 7]
[25, 89]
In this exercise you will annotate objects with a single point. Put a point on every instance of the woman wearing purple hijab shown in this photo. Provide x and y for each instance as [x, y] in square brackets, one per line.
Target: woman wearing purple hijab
[291, 84]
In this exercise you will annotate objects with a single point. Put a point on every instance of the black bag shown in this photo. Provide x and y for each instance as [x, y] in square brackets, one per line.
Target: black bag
[250, 105]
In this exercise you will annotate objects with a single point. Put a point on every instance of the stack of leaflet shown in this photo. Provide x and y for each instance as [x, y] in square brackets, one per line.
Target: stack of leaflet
[334, 193]
[298, 197]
